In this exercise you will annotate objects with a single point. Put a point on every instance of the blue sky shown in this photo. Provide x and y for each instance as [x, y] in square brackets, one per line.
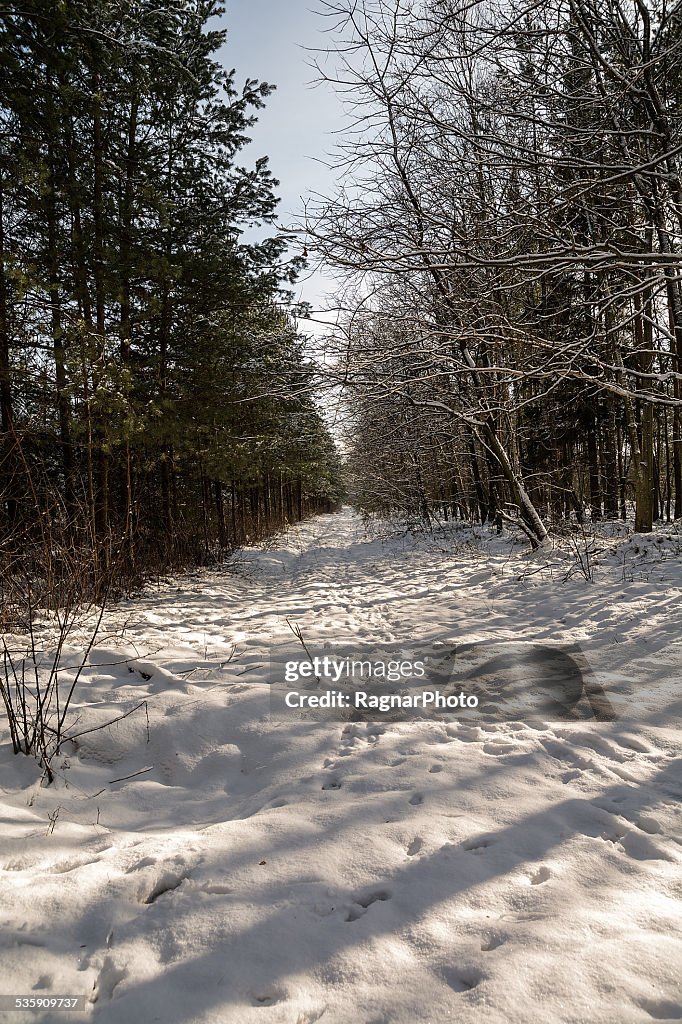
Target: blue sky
[266, 40]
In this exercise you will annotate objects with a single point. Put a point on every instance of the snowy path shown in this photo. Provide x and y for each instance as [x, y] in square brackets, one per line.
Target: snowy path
[285, 872]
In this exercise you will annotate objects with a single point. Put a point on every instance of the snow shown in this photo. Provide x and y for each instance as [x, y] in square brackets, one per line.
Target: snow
[201, 860]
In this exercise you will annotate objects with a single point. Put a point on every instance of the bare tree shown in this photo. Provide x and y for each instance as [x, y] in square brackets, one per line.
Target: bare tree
[515, 170]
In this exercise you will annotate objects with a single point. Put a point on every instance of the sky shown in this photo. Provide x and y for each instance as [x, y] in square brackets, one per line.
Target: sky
[267, 40]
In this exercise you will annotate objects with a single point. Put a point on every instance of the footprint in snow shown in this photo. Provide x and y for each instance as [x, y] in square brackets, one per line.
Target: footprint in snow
[268, 997]
[498, 749]
[640, 847]
[461, 981]
[466, 735]
[362, 903]
[63, 867]
[146, 862]
[109, 977]
[477, 843]
[168, 882]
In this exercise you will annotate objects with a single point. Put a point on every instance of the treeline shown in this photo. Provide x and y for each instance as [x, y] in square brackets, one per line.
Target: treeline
[510, 229]
[154, 393]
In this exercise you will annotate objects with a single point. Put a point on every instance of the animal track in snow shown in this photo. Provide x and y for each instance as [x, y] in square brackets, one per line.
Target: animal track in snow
[478, 843]
[62, 867]
[109, 977]
[168, 882]
[468, 734]
[594, 743]
[499, 748]
[640, 847]
[146, 862]
[216, 888]
[565, 754]
[543, 874]
[415, 846]
[268, 997]
[461, 980]
[362, 903]
[416, 799]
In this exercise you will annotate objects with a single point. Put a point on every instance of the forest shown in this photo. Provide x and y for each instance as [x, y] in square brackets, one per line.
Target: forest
[341, 637]
[154, 389]
[505, 231]
[508, 232]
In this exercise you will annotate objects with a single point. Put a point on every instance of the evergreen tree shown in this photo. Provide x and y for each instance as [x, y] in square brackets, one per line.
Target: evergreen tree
[151, 386]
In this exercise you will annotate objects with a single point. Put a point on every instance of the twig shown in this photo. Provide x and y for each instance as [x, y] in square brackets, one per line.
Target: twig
[296, 630]
[123, 778]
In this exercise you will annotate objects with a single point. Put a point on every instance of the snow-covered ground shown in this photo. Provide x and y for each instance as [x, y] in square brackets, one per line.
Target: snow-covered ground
[204, 861]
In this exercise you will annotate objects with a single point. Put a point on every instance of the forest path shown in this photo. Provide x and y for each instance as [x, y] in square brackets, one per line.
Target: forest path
[214, 863]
